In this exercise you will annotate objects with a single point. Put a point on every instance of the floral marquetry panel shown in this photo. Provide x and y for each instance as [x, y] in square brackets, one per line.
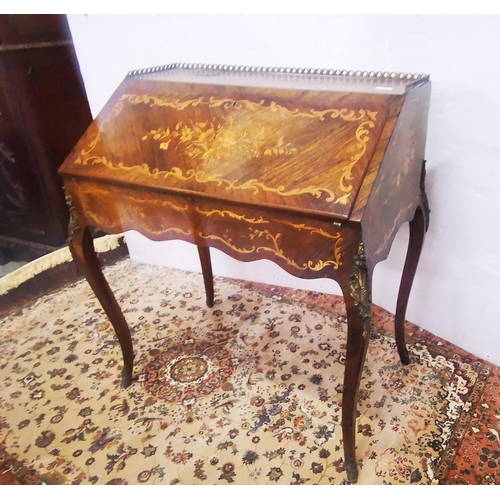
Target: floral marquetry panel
[237, 143]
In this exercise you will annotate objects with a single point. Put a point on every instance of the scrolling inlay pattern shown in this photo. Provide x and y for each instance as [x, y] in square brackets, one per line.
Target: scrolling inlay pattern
[135, 210]
[234, 139]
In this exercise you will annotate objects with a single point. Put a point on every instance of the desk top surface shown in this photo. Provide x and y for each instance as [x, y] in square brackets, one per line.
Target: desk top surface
[282, 138]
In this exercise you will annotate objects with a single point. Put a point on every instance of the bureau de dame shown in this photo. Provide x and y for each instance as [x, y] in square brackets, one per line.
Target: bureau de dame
[315, 170]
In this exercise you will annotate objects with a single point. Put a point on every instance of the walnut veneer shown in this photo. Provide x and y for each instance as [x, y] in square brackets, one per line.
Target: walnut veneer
[313, 170]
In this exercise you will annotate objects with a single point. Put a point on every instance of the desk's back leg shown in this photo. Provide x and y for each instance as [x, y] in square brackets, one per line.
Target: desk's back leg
[206, 268]
[81, 246]
[417, 233]
[356, 289]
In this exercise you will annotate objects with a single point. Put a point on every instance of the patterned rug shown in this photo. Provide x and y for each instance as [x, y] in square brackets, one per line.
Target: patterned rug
[246, 393]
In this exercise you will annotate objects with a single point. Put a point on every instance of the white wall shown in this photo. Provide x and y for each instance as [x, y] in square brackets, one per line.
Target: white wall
[455, 294]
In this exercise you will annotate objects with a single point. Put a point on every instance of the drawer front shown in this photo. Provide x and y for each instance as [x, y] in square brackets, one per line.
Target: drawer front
[116, 209]
[304, 247]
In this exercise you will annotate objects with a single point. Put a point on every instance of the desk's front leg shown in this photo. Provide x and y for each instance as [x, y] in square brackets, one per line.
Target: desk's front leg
[356, 288]
[81, 245]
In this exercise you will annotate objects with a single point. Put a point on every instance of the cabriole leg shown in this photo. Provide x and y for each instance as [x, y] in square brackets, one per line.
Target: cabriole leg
[417, 233]
[81, 246]
[208, 278]
[357, 296]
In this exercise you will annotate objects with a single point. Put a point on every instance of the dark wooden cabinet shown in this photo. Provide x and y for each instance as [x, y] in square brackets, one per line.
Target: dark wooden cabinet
[43, 112]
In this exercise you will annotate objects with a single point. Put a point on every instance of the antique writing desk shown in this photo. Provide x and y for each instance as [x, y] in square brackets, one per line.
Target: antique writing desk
[313, 169]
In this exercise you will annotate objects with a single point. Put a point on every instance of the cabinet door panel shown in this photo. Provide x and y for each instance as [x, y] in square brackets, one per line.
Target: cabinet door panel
[44, 112]
[22, 206]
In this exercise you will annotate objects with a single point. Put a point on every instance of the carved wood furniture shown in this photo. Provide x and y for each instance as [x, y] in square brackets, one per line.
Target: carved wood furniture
[43, 113]
[315, 170]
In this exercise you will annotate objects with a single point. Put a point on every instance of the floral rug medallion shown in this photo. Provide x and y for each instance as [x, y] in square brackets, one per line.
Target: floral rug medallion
[187, 372]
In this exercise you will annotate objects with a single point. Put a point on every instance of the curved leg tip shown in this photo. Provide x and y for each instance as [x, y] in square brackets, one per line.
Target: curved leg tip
[405, 357]
[126, 378]
[210, 302]
[352, 473]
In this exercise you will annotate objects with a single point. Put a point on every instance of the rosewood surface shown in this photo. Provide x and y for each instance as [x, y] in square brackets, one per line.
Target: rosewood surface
[311, 170]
